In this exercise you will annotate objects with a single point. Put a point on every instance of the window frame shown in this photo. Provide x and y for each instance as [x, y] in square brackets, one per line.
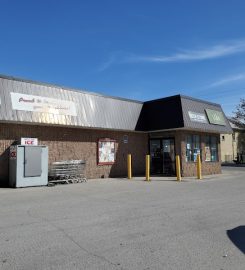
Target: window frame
[195, 140]
[209, 142]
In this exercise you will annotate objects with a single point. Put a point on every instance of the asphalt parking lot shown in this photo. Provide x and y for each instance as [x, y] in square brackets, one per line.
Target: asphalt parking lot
[126, 224]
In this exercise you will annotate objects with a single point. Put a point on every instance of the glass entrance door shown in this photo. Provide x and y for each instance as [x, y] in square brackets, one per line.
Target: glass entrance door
[168, 156]
[156, 156]
[162, 152]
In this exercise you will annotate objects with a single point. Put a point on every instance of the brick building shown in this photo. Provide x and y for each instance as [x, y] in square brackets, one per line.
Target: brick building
[102, 130]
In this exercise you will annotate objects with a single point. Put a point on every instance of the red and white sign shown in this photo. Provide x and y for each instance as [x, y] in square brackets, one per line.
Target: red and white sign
[13, 152]
[29, 141]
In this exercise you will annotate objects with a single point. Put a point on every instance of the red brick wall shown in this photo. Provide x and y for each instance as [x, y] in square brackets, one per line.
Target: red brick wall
[189, 168]
[74, 143]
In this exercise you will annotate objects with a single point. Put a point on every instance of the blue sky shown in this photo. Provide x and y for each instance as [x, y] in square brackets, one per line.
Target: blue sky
[135, 49]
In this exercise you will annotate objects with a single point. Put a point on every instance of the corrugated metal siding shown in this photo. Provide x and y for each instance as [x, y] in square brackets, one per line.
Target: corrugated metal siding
[96, 111]
[93, 110]
[189, 104]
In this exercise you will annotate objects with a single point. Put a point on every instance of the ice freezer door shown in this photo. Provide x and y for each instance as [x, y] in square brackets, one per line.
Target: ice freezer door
[33, 161]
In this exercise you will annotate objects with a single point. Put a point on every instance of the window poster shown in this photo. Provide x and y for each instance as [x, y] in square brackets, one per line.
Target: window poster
[106, 151]
[207, 153]
[196, 152]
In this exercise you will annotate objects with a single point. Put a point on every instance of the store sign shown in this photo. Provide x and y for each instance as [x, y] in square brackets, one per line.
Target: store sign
[31, 103]
[215, 117]
[197, 117]
[29, 141]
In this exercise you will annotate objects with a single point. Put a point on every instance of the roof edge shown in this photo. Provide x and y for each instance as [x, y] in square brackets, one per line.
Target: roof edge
[68, 126]
[67, 88]
[7, 77]
[183, 96]
[200, 100]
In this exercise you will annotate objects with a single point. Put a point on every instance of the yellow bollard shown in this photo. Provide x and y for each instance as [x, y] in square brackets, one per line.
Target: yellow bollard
[129, 163]
[147, 168]
[178, 174]
[199, 167]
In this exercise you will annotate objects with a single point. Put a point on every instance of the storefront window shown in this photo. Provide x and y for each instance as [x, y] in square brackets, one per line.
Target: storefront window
[211, 148]
[192, 147]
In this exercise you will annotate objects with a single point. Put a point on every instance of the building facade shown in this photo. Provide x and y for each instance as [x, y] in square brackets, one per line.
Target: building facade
[232, 144]
[102, 130]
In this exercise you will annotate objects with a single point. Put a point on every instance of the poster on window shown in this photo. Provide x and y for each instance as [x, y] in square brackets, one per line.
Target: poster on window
[106, 151]
[196, 152]
[207, 153]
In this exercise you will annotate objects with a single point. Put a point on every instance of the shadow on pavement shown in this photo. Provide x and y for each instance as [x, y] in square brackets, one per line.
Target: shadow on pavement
[237, 236]
[232, 165]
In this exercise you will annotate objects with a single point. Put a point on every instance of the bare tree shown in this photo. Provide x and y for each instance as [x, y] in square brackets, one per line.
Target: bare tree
[239, 114]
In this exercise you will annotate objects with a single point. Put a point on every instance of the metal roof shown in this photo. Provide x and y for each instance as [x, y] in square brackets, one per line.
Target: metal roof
[25, 101]
[173, 113]
[199, 106]
[235, 125]
[80, 109]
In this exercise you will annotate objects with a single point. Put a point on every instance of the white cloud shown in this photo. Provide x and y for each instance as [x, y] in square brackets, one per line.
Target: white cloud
[185, 55]
[216, 51]
[107, 64]
[228, 80]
